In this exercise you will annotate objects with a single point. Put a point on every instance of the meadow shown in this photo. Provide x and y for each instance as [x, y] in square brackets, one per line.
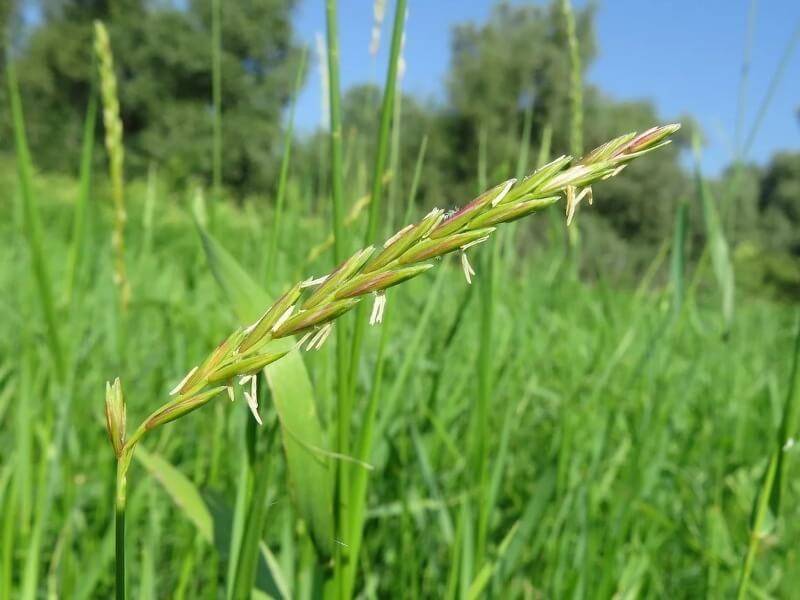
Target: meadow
[551, 430]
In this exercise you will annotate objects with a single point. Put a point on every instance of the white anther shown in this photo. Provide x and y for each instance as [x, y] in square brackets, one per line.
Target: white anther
[466, 267]
[378, 307]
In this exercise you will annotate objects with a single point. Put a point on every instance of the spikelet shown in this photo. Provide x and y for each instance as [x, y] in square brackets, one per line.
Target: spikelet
[116, 156]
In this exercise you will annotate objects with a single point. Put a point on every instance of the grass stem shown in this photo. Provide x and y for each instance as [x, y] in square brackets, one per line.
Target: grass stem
[119, 530]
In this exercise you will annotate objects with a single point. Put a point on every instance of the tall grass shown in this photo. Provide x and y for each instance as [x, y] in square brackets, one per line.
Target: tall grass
[32, 224]
[216, 100]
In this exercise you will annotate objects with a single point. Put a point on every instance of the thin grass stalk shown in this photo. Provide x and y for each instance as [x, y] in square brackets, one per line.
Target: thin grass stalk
[32, 223]
[116, 154]
[543, 156]
[364, 445]
[79, 222]
[678, 259]
[216, 92]
[384, 131]
[774, 82]
[149, 209]
[575, 113]
[335, 112]
[789, 423]
[337, 193]
[741, 103]
[120, 500]
[716, 244]
[576, 81]
[525, 142]
[484, 368]
[247, 558]
[348, 387]
[509, 239]
[284, 173]
[360, 477]
[394, 161]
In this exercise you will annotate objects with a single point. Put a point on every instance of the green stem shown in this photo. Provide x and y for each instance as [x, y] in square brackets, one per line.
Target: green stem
[337, 178]
[284, 174]
[78, 224]
[760, 514]
[486, 287]
[387, 109]
[216, 84]
[119, 505]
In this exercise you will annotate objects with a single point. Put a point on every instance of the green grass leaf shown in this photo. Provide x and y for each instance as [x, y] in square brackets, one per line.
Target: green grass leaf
[310, 472]
[182, 491]
[678, 262]
[717, 244]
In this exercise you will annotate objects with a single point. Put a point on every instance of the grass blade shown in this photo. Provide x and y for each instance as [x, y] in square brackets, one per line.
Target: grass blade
[79, 222]
[387, 109]
[717, 244]
[216, 100]
[284, 173]
[678, 263]
[181, 489]
[789, 425]
[768, 499]
[32, 223]
[576, 82]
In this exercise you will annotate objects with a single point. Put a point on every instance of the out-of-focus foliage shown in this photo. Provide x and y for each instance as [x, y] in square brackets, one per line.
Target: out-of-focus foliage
[642, 206]
[516, 58]
[779, 202]
[163, 59]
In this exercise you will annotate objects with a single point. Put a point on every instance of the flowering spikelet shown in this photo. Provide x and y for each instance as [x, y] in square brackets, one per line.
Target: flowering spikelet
[309, 308]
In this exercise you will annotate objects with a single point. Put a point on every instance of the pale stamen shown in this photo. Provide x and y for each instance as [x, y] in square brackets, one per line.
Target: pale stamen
[286, 314]
[311, 282]
[475, 242]
[320, 337]
[503, 193]
[252, 396]
[304, 339]
[178, 387]
[397, 235]
[467, 268]
[378, 307]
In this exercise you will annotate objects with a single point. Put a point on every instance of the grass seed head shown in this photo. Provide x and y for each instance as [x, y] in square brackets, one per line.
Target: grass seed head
[402, 257]
[115, 416]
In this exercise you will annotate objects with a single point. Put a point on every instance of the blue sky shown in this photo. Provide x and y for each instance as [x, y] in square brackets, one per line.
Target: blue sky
[684, 55]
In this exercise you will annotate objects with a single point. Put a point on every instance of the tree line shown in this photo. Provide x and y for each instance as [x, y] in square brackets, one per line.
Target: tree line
[508, 77]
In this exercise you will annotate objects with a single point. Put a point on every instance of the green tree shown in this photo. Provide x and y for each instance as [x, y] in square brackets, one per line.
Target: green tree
[642, 208]
[780, 203]
[520, 58]
[517, 59]
[163, 59]
[360, 113]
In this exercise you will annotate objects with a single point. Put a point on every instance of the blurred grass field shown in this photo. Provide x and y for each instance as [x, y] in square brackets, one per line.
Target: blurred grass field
[591, 418]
